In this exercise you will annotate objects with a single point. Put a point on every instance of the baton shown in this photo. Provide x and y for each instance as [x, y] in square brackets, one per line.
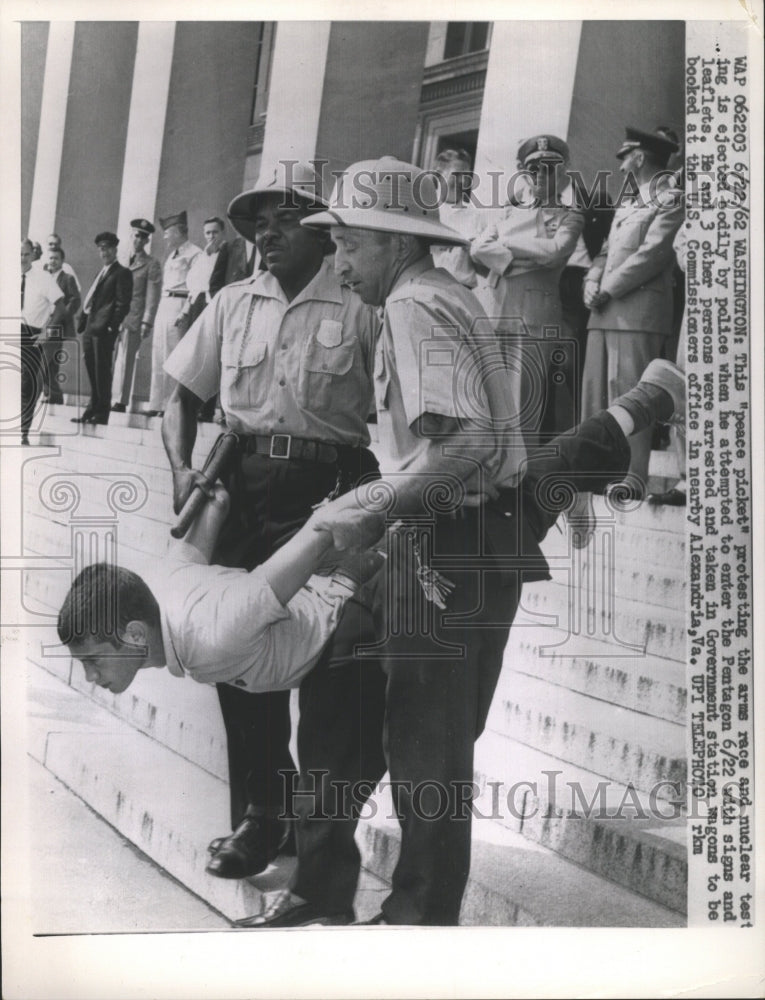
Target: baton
[220, 455]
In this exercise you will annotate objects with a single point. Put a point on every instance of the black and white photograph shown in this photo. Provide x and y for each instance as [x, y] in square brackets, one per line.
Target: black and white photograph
[382, 476]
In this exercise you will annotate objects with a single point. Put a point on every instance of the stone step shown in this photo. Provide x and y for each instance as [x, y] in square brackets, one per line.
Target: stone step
[515, 880]
[164, 804]
[611, 741]
[113, 768]
[615, 621]
[645, 683]
[577, 812]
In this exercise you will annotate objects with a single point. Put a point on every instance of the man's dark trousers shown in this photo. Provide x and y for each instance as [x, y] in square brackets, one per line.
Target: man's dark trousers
[271, 500]
[98, 352]
[32, 374]
[442, 666]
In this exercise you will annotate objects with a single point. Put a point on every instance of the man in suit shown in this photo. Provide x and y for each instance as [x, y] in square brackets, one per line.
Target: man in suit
[137, 326]
[106, 305]
[64, 329]
[629, 287]
[525, 251]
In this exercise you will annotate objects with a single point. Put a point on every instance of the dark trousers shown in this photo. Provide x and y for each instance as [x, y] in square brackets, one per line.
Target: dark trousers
[342, 704]
[442, 666]
[32, 374]
[271, 501]
[576, 314]
[98, 352]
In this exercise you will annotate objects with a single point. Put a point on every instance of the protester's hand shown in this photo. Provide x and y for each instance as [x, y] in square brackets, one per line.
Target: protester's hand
[182, 323]
[350, 527]
[184, 481]
[600, 300]
[145, 330]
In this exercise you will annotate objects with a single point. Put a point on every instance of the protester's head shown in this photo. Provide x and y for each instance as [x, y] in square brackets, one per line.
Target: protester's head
[53, 241]
[213, 230]
[269, 215]
[36, 251]
[455, 167]
[175, 230]
[56, 259]
[107, 247]
[108, 621]
[27, 251]
[383, 216]
[140, 231]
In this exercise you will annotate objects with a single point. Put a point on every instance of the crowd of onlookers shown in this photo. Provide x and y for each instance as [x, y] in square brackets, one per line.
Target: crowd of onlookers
[129, 303]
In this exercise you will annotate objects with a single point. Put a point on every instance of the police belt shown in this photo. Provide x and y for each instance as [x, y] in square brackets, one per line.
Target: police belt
[285, 447]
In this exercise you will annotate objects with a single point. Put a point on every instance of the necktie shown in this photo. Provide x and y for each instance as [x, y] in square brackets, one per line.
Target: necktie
[23, 287]
[132, 259]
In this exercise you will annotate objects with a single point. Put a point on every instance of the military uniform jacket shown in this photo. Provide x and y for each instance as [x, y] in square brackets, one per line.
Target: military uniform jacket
[526, 251]
[635, 264]
[147, 288]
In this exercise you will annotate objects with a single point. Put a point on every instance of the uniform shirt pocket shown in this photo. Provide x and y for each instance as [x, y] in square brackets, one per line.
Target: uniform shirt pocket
[243, 376]
[325, 366]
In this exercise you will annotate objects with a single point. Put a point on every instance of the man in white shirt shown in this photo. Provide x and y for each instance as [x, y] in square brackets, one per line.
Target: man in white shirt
[42, 304]
[54, 243]
[454, 210]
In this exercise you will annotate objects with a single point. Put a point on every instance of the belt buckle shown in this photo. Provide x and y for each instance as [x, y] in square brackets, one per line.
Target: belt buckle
[277, 450]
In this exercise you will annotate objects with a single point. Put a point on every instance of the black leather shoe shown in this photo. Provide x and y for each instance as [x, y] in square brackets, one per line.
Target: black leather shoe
[288, 848]
[672, 498]
[98, 418]
[283, 911]
[250, 848]
[118, 408]
[378, 919]
[83, 418]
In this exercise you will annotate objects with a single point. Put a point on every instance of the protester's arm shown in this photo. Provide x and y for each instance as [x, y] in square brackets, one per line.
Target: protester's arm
[355, 520]
[72, 298]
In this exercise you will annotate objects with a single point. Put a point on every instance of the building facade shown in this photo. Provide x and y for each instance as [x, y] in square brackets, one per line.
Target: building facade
[126, 119]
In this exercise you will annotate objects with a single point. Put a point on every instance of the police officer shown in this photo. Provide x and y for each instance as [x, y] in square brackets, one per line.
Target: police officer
[290, 353]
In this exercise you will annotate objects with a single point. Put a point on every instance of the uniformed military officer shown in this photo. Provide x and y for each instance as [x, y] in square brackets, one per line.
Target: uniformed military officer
[168, 325]
[290, 352]
[629, 286]
[526, 249]
[138, 324]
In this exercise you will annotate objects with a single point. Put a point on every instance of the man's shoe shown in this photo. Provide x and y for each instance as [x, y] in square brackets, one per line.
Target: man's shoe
[282, 909]
[83, 418]
[98, 418]
[668, 377]
[288, 848]
[25, 439]
[249, 849]
[379, 920]
[154, 413]
[672, 498]
[118, 408]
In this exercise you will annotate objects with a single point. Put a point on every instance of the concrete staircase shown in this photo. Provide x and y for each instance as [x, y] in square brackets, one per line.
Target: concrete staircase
[573, 825]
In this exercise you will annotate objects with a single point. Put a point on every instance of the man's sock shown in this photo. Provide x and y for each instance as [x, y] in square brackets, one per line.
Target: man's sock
[658, 396]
